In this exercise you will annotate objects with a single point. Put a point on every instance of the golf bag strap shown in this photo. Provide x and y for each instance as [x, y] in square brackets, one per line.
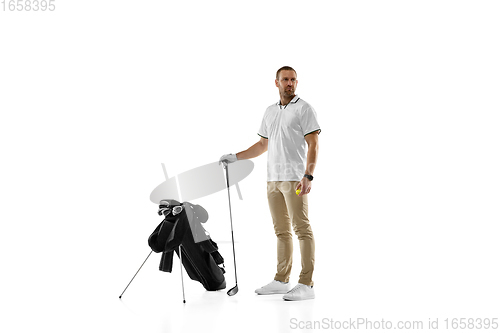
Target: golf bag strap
[177, 234]
[217, 258]
[166, 261]
[211, 247]
[154, 240]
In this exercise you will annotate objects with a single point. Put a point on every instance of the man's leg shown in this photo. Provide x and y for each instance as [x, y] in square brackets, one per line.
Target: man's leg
[282, 229]
[298, 211]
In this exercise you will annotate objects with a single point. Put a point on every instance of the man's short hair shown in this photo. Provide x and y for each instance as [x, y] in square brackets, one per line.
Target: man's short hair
[284, 68]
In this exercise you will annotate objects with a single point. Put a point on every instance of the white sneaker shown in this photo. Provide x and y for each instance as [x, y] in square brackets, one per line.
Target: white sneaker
[275, 287]
[299, 293]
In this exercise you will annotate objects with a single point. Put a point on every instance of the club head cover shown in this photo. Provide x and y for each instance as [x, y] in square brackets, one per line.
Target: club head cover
[169, 203]
[166, 206]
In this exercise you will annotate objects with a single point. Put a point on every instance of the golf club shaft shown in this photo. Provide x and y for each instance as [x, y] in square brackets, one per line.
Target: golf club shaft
[135, 274]
[231, 219]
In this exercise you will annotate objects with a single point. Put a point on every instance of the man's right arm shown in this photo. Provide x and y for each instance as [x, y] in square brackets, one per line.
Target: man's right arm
[256, 150]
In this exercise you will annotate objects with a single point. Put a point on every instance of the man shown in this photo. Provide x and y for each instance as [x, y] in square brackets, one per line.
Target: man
[286, 128]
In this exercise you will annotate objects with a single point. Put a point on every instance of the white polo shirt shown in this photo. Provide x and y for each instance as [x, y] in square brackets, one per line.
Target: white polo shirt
[285, 127]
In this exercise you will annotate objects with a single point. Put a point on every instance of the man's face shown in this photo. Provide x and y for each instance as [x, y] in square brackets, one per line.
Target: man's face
[287, 83]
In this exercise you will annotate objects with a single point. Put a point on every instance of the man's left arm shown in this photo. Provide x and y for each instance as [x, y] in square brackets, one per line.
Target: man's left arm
[312, 157]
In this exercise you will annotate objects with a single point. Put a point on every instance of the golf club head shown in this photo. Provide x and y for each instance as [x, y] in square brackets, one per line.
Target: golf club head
[233, 291]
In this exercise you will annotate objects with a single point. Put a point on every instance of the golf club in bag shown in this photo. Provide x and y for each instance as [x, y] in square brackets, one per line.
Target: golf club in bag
[234, 290]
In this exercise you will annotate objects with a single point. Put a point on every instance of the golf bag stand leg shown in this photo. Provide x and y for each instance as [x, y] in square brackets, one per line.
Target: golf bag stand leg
[182, 278]
[234, 290]
[135, 274]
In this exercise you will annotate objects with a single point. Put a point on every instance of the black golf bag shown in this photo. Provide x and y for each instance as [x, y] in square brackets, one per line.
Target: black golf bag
[200, 256]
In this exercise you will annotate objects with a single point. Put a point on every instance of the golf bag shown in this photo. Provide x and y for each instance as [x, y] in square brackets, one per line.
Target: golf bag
[200, 256]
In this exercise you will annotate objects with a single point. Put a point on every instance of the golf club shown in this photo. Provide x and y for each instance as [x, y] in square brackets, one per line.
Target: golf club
[233, 291]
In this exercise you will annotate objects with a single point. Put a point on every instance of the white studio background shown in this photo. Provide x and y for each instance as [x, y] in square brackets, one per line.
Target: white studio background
[96, 94]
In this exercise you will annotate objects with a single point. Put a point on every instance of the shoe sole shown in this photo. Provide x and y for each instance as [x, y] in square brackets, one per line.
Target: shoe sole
[271, 293]
[302, 299]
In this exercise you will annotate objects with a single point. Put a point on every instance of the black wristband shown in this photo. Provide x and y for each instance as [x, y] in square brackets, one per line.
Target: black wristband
[309, 177]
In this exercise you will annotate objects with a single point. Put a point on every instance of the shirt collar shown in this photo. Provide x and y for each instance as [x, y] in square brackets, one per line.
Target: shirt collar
[293, 101]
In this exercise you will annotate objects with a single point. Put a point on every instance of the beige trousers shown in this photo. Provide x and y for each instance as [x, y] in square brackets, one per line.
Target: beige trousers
[287, 210]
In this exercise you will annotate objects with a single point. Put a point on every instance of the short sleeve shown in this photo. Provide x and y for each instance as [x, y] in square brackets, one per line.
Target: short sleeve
[263, 128]
[309, 121]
